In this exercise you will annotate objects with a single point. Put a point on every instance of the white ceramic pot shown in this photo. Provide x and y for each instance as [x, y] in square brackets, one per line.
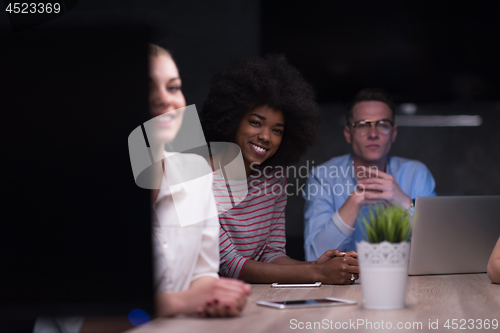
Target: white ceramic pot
[383, 272]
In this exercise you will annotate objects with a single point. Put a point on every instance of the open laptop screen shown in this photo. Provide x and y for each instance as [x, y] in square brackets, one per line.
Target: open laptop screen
[453, 234]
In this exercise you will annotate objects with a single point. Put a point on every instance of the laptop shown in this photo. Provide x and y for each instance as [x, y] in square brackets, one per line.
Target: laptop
[453, 235]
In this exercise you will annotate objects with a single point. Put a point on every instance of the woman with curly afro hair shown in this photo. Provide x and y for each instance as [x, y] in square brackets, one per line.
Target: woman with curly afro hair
[265, 106]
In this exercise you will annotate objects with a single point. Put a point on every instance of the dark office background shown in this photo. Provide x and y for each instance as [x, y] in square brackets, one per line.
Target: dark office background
[439, 58]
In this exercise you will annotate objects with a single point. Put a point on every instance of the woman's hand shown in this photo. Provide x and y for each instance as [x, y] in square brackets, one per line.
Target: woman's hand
[338, 269]
[332, 254]
[221, 297]
[207, 296]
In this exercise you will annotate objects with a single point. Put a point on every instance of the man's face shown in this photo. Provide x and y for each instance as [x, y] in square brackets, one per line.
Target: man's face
[372, 146]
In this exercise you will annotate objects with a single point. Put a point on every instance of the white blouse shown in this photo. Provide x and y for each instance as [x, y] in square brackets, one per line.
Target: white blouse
[184, 253]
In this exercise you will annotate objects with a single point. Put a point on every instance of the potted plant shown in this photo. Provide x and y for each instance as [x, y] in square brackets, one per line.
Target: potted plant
[383, 257]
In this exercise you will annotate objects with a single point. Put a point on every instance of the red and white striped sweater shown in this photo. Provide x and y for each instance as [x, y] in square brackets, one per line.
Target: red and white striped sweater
[255, 228]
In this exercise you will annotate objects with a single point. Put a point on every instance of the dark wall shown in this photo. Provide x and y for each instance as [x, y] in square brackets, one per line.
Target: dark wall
[419, 51]
[203, 36]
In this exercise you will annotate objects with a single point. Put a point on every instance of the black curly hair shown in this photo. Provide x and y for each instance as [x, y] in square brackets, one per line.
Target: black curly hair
[252, 82]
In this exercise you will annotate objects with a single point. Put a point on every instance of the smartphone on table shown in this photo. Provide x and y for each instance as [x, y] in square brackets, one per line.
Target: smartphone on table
[306, 303]
[296, 285]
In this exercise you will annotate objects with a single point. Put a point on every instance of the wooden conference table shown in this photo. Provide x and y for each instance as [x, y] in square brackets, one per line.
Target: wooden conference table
[429, 299]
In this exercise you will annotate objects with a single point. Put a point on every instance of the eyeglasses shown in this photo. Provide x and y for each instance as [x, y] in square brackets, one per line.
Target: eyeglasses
[383, 126]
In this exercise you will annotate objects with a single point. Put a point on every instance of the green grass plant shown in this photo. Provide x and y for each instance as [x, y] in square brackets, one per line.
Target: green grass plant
[387, 223]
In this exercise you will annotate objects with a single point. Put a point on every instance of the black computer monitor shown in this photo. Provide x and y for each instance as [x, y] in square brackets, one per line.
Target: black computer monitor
[75, 234]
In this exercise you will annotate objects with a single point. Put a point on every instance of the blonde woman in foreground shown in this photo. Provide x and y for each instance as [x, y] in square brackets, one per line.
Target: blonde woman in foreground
[186, 258]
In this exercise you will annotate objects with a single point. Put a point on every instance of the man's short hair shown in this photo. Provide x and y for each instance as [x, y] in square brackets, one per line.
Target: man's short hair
[371, 94]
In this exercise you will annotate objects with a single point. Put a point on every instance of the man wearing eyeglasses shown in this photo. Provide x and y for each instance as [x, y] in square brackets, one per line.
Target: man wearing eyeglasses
[339, 191]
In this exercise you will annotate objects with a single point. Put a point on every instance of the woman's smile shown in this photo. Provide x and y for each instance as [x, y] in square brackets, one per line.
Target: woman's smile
[259, 135]
[259, 149]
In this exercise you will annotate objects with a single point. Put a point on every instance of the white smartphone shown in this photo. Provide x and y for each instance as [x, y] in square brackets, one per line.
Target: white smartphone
[297, 285]
[305, 303]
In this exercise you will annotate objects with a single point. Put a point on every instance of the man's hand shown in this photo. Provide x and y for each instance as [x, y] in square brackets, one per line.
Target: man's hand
[382, 186]
[221, 297]
[358, 198]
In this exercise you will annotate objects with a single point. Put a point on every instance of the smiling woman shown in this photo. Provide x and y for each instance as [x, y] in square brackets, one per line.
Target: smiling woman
[166, 99]
[261, 84]
[266, 108]
[186, 259]
[259, 135]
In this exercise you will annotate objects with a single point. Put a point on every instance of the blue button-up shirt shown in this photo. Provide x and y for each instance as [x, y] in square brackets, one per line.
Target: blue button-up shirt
[328, 187]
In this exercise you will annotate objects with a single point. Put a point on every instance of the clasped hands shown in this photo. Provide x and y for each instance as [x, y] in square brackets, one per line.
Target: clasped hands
[338, 267]
[221, 297]
[381, 188]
